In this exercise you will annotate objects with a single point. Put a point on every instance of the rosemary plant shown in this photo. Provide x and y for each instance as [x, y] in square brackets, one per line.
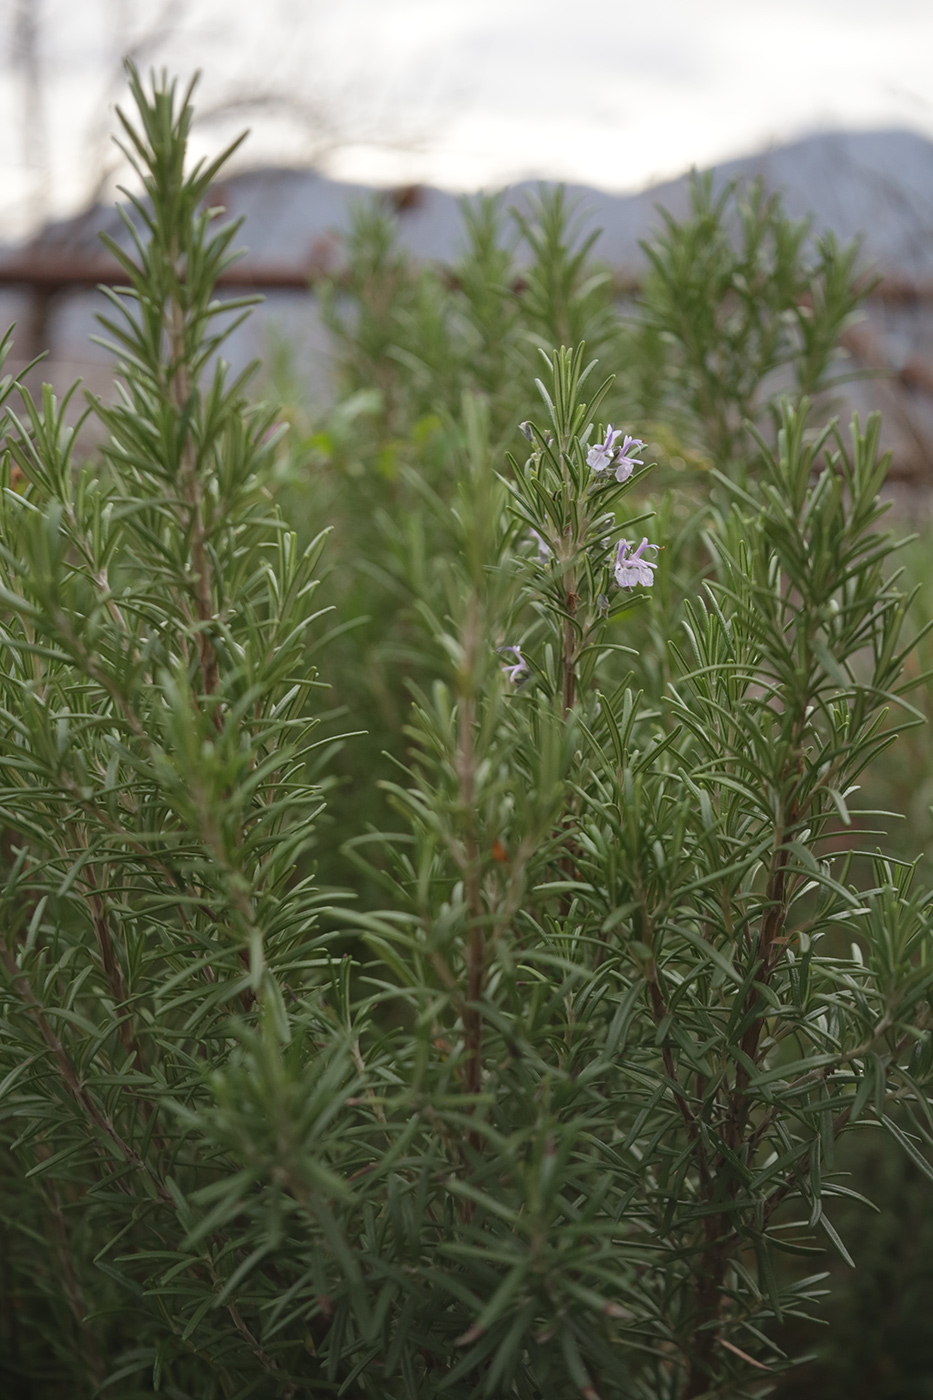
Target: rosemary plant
[542, 1124]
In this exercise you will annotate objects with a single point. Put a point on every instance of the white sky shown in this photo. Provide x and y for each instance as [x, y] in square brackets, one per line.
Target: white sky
[468, 93]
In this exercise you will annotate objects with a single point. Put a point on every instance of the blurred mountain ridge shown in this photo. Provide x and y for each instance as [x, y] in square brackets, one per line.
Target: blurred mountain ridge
[873, 185]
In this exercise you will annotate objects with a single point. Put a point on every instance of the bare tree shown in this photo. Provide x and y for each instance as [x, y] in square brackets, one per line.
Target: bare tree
[288, 75]
[26, 65]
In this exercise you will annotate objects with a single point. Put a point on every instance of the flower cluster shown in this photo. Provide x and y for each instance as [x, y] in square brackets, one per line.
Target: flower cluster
[631, 567]
[605, 455]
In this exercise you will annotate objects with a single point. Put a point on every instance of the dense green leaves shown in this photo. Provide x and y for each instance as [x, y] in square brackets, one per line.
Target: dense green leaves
[538, 1111]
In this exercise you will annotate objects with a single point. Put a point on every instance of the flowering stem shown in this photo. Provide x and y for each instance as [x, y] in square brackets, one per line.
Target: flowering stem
[720, 1239]
[476, 944]
[192, 496]
[569, 657]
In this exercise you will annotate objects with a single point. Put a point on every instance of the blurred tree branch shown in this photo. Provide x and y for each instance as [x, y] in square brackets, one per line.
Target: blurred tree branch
[319, 105]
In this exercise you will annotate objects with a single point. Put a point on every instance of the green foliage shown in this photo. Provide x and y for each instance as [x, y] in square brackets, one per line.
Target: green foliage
[746, 308]
[540, 1112]
[737, 303]
[153, 797]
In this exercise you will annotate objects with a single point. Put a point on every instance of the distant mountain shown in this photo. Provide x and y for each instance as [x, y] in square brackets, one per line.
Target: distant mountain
[875, 185]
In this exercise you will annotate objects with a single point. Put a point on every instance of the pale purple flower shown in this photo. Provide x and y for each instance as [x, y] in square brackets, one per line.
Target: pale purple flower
[605, 456]
[518, 668]
[626, 462]
[601, 454]
[527, 431]
[631, 568]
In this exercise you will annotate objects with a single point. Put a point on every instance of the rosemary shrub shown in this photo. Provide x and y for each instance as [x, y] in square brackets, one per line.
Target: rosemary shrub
[540, 1120]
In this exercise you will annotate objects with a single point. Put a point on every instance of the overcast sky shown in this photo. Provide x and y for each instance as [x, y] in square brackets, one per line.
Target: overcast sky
[463, 93]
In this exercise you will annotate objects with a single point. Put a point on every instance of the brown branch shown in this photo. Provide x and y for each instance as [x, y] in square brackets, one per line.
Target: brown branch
[236, 1317]
[111, 962]
[86, 1340]
[72, 1080]
[718, 1246]
[476, 943]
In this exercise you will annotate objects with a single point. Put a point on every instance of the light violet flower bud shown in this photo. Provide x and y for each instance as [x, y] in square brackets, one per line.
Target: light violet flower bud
[625, 461]
[518, 668]
[631, 568]
[526, 431]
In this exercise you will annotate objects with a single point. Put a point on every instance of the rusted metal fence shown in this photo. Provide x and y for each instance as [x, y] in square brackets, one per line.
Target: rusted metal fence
[905, 393]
